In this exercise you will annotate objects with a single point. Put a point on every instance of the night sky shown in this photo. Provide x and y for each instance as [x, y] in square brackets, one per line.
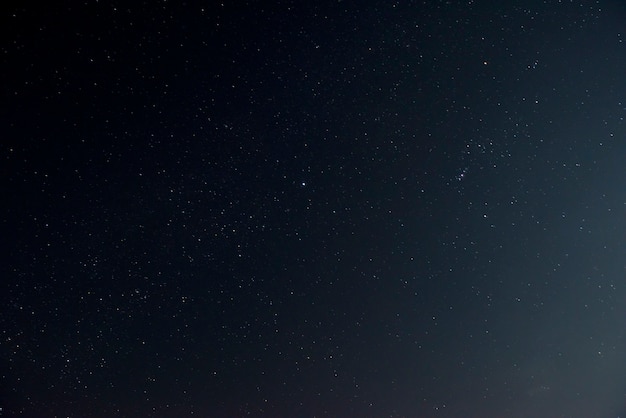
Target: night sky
[313, 209]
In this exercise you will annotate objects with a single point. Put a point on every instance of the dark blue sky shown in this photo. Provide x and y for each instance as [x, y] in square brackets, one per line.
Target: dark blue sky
[342, 209]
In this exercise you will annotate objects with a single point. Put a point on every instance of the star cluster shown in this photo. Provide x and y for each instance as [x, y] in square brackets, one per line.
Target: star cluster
[405, 209]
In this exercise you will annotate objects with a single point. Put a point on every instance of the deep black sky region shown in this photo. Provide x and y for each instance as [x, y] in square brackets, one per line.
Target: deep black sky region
[313, 209]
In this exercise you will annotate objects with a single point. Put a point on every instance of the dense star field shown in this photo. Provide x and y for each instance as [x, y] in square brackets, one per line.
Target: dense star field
[313, 209]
